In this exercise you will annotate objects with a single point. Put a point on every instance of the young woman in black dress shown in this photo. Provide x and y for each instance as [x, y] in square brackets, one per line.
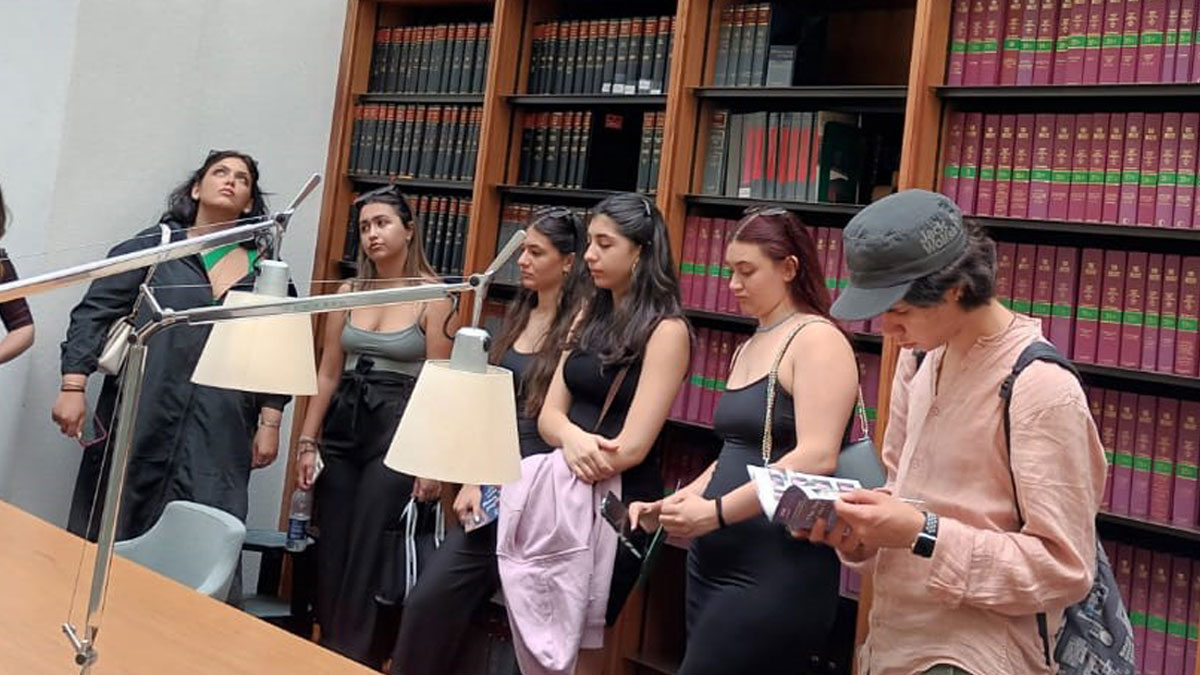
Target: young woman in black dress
[14, 314]
[757, 599]
[462, 574]
[634, 320]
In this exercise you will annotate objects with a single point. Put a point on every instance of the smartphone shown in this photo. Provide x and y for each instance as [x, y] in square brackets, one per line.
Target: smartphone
[616, 514]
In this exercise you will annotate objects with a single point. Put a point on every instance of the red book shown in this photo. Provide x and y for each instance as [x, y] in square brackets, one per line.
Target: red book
[1062, 313]
[695, 384]
[687, 266]
[985, 195]
[1139, 606]
[1110, 44]
[699, 275]
[1187, 36]
[1093, 39]
[957, 60]
[975, 21]
[1062, 43]
[1060, 166]
[1114, 160]
[968, 181]
[728, 303]
[1039, 177]
[1043, 60]
[1023, 272]
[1131, 169]
[1123, 572]
[1006, 253]
[1168, 321]
[1148, 179]
[1170, 41]
[1123, 460]
[1153, 313]
[1187, 457]
[1081, 157]
[1087, 313]
[1134, 314]
[1168, 170]
[1156, 616]
[1131, 32]
[1185, 173]
[1185, 336]
[714, 378]
[1010, 52]
[989, 47]
[1029, 35]
[1022, 168]
[716, 253]
[1193, 632]
[1076, 42]
[1166, 430]
[1143, 457]
[1177, 615]
[822, 237]
[1108, 437]
[1108, 346]
[952, 154]
[1004, 165]
[1043, 286]
[1151, 41]
[833, 262]
[1097, 155]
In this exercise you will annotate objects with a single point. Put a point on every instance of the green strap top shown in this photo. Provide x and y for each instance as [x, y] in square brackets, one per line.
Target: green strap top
[214, 256]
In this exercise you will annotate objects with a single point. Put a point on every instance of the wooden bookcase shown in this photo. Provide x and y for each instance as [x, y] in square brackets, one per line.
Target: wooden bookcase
[883, 57]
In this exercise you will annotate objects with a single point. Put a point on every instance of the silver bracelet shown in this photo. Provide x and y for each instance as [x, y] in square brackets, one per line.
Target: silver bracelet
[269, 425]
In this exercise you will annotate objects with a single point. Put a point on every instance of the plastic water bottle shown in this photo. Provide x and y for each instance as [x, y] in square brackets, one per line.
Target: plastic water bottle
[299, 514]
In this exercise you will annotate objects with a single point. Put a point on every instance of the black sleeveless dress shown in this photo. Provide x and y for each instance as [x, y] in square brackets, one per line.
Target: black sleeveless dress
[758, 600]
[589, 381]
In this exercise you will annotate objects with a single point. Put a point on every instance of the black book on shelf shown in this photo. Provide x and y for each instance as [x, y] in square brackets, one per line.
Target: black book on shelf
[408, 132]
[392, 71]
[546, 60]
[421, 79]
[570, 149]
[661, 56]
[350, 246]
[378, 60]
[429, 136]
[394, 152]
[356, 139]
[720, 68]
[536, 47]
[612, 43]
[472, 59]
[383, 146]
[713, 181]
[562, 49]
[615, 168]
[439, 237]
[460, 236]
[745, 62]
[540, 139]
[437, 60]
[670, 47]
[758, 57]
[441, 151]
[550, 174]
[481, 56]
[656, 149]
[734, 137]
[572, 58]
[622, 61]
[589, 56]
[634, 62]
[644, 152]
[736, 37]
[408, 57]
[472, 153]
[525, 163]
[370, 125]
[650, 37]
[583, 141]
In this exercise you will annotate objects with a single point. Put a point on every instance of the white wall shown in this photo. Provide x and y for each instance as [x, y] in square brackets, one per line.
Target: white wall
[147, 89]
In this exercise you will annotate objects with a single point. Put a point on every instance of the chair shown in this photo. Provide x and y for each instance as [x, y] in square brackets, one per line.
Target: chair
[199, 546]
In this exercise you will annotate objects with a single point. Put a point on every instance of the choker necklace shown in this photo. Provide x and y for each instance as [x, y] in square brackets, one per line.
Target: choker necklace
[777, 324]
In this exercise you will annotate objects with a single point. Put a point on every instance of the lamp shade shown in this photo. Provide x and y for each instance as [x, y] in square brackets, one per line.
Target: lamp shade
[459, 427]
[269, 355]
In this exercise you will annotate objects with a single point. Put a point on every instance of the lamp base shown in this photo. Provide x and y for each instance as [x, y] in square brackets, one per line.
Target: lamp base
[470, 352]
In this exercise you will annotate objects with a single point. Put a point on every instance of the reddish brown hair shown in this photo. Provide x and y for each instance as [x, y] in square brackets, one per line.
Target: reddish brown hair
[779, 234]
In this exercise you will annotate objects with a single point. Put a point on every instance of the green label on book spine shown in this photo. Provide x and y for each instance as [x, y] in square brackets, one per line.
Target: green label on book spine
[1004, 173]
[1193, 631]
[1148, 179]
[1095, 178]
[1169, 322]
[720, 384]
[1129, 40]
[1188, 323]
[1110, 40]
[1141, 463]
[987, 173]
[1042, 175]
[1185, 37]
[1112, 178]
[1137, 619]
[1060, 176]
[958, 47]
[969, 171]
[1021, 306]
[1020, 175]
[1163, 467]
[1152, 320]
[1176, 629]
[1093, 41]
[1110, 315]
[1131, 177]
[726, 272]
[685, 267]
[1007, 302]
[1079, 177]
[1133, 318]
[830, 283]
[1029, 45]
[1076, 41]
[1109, 456]
[1185, 179]
[1046, 45]
[1187, 470]
[989, 46]
[697, 380]
[714, 271]
[1171, 38]
[952, 171]
[1157, 623]
[1152, 38]
[1124, 460]
[1012, 44]
[974, 47]
[1060, 311]
[1169, 178]
[843, 283]
[1041, 309]
[1087, 313]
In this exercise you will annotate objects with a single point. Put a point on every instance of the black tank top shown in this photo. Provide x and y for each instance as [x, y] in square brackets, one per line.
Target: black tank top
[527, 431]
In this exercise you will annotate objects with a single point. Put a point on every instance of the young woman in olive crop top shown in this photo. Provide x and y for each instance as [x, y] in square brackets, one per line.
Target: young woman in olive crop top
[460, 577]
[368, 369]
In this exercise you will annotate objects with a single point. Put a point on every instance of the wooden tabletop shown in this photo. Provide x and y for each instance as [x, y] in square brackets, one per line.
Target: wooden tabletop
[151, 625]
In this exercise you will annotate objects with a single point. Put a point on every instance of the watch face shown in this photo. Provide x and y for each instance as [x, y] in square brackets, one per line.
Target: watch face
[924, 545]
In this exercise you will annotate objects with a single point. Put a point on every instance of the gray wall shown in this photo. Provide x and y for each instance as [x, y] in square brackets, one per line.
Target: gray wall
[109, 104]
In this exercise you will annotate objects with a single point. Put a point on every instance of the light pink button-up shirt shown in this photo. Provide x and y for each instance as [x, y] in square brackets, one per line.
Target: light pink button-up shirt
[973, 604]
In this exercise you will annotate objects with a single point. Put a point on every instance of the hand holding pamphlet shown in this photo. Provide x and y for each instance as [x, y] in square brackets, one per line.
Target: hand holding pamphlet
[796, 500]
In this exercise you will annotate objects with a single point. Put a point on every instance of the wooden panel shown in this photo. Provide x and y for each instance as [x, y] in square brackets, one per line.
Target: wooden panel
[871, 46]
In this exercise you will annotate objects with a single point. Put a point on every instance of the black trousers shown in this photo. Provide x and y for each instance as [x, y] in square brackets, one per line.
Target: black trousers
[454, 584]
[357, 499]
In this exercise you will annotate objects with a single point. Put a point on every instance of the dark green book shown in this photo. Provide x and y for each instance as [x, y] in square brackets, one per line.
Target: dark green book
[458, 33]
[584, 142]
[528, 133]
[644, 152]
[736, 33]
[553, 149]
[379, 59]
[356, 133]
[650, 36]
[370, 124]
[758, 57]
[720, 70]
[656, 148]
[481, 56]
[612, 40]
[410, 55]
[537, 48]
[714, 156]
[634, 62]
[537, 171]
[734, 141]
[661, 56]
[571, 60]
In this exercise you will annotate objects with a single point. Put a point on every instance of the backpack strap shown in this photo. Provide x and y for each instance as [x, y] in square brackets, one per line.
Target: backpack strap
[1036, 351]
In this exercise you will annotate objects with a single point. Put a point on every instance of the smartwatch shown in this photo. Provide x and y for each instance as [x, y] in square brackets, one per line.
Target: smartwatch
[927, 537]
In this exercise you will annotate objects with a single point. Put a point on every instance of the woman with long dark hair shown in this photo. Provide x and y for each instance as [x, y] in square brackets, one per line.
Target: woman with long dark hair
[14, 314]
[191, 442]
[462, 574]
[634, 325]
[757, 599]
[369, 366]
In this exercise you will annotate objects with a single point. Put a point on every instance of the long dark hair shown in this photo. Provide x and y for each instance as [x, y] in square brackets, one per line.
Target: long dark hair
[415, 264]
[780, 234]
[564, 228]
[182, 208]
[619, 336]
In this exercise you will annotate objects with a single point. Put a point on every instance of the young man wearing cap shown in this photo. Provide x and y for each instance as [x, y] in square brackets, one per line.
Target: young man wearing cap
[960, 578]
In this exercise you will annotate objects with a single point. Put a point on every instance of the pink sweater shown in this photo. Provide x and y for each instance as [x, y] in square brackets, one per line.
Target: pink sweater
[973, 604]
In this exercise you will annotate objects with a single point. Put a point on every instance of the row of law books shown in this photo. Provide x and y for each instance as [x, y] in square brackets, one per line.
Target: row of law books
[555, 148]
[1071, 42]
[436, 59]
[650, 152]
[1126, 309]
[773, 44]
[518, 216]
[415, 141]
[1153, 448]
[1161, 592]
[603, 56]
[443, 223]
[1134, 169]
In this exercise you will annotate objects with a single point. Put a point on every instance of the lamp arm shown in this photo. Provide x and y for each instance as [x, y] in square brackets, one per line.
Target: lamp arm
[484, 279]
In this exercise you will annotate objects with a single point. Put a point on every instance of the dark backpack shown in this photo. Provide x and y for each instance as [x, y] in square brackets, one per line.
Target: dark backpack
[1095, 636]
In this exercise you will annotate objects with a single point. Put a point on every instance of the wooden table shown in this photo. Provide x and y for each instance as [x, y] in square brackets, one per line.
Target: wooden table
[151, 625]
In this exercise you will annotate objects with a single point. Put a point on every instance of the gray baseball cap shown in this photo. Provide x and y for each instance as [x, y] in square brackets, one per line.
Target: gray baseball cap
[892, 243]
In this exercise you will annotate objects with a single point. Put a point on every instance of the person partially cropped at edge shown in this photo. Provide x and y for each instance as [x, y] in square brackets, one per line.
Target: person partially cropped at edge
[958, 580]
[14, 314]
[191, 442]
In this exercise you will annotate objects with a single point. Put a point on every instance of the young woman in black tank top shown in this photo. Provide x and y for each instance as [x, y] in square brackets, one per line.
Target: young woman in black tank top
[461, 575]
[759, 601]
[635, 321]
[14, 314]
[368, 368]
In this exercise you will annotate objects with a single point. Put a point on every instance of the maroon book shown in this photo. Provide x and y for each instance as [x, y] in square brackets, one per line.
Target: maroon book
[728, 303]
[833, 262]
[1022, 167]
[695, 383]
[1130, 39]
[1081, 157]
[1133, 315]
[1185, 174]
[1108, 347]
[1077, 42]
[957, 60]
[1168, 170]
[1131, 168]
[1151, 41]
[1168, 321]
[1039, 178]
[1060, 166]
[1114, 160]
[1156, 614]
[952, 154]
[1170, 41]
[1123, 463]
[1123, 572]
[1166, 431]
[989, 47]
[1177, 616]
[1010, 48]
[716, 253]
[1153, 314]
[1097, 155]
[985, 196]
[1006, 253]
[1108, 437]
[968, 181]
[1185, 50]
[1110, 43]
[975, 20]
[1093, 39]
[1189, 299]
[1087, 313]
[1004, 165]
[1062, 312]
[1029, 35]
[1143, 456]
[1043, 60]
[1043, 286]
[1062, 43]
[714, 378]
[1148, 178]
[1187, 456]
[1023, 273]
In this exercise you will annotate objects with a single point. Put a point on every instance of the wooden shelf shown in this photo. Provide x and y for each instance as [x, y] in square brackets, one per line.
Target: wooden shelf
[414, 184]
[657, 664]
[1095, 234]
[577, 100]
[843, 211]
[869, 98]
[572, 195]
[1074, 98]
[1160, 384]
[1142, 526]
[430, 99]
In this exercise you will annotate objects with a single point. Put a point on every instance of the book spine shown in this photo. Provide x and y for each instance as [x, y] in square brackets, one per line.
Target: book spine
[968, 182]
[735, 142]
[1166, 431]
[1040, 176]
[1123, 572]
[1076, 42]
[1151, 41]
[716, 255]
[1153, 315]
[1060, 166]
[952, 155]
[1177, 616]
[695, 386]
[959, 18]
[1148, 178]
[989, 48]
[656, 148]
[1185, 49]
[758, 62]
[770, 173]
[1010, 52]
[713, 375]
[1062, 42]
[1043, 63]
[1131, 34]
[1023, 273]
[721, 68]
[1062, 312]
[1168, 171]
[1189, 298]
[1097, 154]
[1006, 253]
[1087, 312]
[1131, 166]
[1143, 457]
[1168, 323]
[379, 49]
[1028, 53]
[1185, 173]
[662, 56]
[643, 170]
[1004, 165]
[645, 80]
[1081, 157]
[1022, 167]
[985, 193]
[833, 262]
[723, 366]
[1110, 45]
[1108, 437]
[1133, 315]
[1113, 174]
[1156, 616]
[728, 302]
[1043, 286]
[1170, 42]
[1187, 459]
[1123, 462]
[1093, 40]
[1108, 346]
